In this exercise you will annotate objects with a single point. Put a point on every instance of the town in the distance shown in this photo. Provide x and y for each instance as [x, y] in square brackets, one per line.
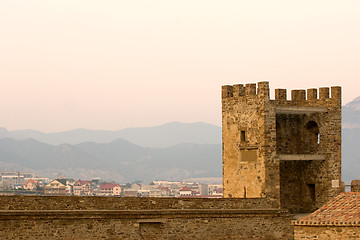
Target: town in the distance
[24, 183]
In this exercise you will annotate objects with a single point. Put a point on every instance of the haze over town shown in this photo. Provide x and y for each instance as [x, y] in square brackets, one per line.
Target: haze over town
[118, 64]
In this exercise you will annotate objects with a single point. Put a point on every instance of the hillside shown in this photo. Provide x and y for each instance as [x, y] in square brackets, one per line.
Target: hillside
[119, 160]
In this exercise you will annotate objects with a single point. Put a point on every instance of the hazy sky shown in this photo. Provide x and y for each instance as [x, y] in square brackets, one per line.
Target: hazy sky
[117, 64]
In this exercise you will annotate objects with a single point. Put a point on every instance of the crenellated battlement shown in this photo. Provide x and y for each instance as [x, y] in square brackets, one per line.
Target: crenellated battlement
[287, 151]
[298, 96]
[309, 94]
[249, 90]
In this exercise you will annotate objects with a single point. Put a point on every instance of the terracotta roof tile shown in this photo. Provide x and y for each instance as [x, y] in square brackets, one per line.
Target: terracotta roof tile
[185, 188]
[219, 190]
[81, 182]
[342, 210]
[110, 185]
[30, 180]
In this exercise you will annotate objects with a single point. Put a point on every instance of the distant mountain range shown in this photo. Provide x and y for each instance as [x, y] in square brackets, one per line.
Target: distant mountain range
[159, 136]
[119, 160]
[172, 151]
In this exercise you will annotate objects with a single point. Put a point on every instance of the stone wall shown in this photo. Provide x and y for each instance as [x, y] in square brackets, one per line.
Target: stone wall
[327, 232]
[287, 151]
[298, 178]
[309, 126]
[33, 217]
[125, 203]
[355, 185]
[245, 144]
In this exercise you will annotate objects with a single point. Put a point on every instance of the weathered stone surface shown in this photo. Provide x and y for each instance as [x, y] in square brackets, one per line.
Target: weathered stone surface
[125, 203]
[355, 185]
[326, 232]
[286, 151]
[62, 217]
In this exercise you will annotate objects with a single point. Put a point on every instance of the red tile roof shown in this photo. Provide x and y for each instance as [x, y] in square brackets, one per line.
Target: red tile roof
[164, 188]
[219, 190]
[342, 210]
[185, 188]
[83, 182]
[109, 186]
[30, 180]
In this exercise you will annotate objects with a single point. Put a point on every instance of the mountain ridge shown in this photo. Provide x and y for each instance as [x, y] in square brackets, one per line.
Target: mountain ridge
[351, 114]
[119, 160]
[164, 135]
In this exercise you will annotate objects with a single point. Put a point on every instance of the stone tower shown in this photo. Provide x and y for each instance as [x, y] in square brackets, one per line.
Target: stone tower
[287, 152]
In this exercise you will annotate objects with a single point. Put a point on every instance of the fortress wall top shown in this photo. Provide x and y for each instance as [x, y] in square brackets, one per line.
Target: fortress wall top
[127, 203]
[249, 90]
[298, 96]
[238, 90]
[312, 94]
[280, 94]
[226, 91]
[336, 94]
[324, 92]
[264, 90]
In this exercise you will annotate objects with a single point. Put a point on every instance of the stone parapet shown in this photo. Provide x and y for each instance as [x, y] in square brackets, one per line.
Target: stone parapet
[138, 214]
[249, 90]
[304, 97]
[310, 96]
[43, 218]
[125, 203]
[355, 185]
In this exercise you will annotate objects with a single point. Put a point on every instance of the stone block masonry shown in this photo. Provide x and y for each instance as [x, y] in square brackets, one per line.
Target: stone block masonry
[327, 233]
[355, 185]
[34, 217]
[24, 203]
[287, 151]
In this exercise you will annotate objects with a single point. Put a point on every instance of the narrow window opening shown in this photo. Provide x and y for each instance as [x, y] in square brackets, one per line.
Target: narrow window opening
[311, 137]
[311, 191]
[242, 136]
